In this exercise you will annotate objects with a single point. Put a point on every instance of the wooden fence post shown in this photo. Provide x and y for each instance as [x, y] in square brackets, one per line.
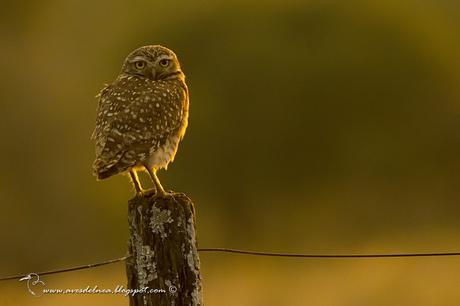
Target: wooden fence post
[162, 251]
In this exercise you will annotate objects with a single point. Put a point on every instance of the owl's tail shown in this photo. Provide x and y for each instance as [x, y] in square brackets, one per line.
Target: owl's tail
[103, 175]
[102, 169]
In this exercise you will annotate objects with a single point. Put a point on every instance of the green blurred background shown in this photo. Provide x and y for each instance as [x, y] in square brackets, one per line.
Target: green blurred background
[315, 126]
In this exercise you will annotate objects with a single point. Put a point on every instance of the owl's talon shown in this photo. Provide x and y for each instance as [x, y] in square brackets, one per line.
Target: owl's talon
[147, 193]
[162, 194]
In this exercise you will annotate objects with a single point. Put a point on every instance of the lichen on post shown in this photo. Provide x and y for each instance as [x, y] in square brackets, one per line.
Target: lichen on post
[162, 251]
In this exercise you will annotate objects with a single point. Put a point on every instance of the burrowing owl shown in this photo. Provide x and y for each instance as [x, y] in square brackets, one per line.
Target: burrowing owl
[141, 116]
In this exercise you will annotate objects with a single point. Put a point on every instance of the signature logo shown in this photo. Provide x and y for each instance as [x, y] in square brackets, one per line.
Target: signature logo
[33, 280]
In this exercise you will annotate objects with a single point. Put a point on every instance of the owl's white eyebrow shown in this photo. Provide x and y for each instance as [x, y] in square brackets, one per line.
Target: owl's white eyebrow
[169, 57]
[137, 58]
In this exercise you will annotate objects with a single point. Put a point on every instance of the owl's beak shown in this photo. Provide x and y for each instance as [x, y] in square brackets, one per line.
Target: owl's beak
[154, 73]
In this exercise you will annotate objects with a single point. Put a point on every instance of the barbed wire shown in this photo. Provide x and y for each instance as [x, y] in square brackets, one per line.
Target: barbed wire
[254, 253]
[329, 255]
[103, 263]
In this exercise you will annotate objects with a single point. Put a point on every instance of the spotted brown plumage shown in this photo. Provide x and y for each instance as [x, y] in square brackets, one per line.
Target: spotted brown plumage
[141, 116]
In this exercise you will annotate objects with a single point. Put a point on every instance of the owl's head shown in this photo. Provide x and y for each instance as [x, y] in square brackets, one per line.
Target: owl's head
[154, 62]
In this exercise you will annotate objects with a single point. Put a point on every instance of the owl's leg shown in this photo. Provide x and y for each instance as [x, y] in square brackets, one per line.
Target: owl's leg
[135, 181]
[160, 191]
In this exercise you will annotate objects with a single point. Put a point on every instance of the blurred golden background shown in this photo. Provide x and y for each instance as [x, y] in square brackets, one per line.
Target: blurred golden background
[315, 127]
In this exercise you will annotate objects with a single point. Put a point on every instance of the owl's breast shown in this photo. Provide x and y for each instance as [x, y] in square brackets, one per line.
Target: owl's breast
[165, 153]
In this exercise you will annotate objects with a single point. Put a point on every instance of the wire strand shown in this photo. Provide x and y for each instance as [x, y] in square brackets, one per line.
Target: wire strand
[329, 255]
[254, 253]
[98, 264]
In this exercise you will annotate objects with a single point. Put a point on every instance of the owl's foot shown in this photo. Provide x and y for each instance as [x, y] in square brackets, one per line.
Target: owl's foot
[160, 190]
[147, 193]
[161, 193]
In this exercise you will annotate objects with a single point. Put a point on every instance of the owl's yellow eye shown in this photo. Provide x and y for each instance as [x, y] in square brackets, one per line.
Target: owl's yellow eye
[164, 63]
[139, 65]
